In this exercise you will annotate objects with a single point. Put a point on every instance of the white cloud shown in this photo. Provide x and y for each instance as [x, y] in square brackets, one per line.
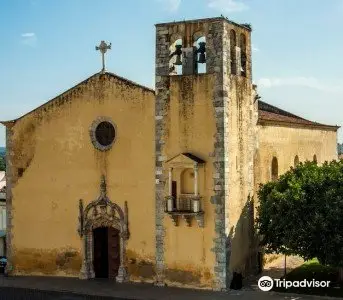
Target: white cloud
[228, 6]
[254, 48]
[29, 39]
[28, 34]
[309, 82]
[171, 5]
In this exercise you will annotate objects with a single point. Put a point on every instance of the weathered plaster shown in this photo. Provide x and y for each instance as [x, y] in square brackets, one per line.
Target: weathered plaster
[61, 262]
[65, 166]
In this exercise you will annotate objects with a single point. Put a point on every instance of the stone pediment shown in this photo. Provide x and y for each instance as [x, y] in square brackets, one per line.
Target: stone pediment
[184, 160]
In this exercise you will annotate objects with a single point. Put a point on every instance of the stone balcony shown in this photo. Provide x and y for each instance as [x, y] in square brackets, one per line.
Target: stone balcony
[187, 207]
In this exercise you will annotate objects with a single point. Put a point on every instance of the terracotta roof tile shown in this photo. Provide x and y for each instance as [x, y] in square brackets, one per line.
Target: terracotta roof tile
[267, 112]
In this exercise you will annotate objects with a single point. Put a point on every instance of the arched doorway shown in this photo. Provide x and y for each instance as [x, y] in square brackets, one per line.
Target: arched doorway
[106, 249]
[103, 227]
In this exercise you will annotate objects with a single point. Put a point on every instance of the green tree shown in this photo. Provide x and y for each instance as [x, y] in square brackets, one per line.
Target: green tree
[2, 164]
[301, 213]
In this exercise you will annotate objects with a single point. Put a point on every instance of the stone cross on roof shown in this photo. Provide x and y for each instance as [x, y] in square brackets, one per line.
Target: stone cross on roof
[103, 47]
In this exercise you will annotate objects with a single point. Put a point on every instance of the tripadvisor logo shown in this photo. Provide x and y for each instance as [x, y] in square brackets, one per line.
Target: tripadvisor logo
[266, 283]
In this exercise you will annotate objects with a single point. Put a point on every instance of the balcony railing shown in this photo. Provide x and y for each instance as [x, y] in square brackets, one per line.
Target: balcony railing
[186, 206]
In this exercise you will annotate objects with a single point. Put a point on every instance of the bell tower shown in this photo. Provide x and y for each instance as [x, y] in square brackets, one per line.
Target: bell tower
[206, 63]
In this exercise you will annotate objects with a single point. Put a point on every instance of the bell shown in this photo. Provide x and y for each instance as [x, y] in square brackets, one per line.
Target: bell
[178, 61]
[202, 47]
[202, 50]
[178, 53]
[202, 58]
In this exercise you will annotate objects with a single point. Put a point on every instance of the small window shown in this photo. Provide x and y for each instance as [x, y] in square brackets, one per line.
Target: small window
[296, 160]
[105, 133]
[243, 46]
[275, 167]
[233, 45]
[315, 158]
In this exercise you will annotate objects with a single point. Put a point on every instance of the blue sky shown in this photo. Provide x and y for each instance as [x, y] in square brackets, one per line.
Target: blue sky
[48, 46]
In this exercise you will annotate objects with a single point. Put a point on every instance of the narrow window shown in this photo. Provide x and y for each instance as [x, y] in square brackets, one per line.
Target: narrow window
[275, 171]
[200, 55]
[296, 160]
[243, 46]
[233, 52]
[315, 158]
[174, 192]
[175, 58]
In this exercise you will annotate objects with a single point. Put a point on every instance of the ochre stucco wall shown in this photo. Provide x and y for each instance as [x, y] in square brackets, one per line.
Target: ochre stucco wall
[242, 114]
[190, 128]
[61, 166]
[285, 143]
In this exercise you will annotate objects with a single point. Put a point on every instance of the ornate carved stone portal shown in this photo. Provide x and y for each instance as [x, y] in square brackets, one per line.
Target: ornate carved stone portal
[102, 213]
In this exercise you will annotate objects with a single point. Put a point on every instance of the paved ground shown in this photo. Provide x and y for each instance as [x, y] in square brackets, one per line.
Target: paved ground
[54, 288]
[10, 293]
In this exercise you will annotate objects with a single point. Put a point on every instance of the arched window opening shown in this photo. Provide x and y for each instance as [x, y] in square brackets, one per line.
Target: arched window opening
[315, 158]
[233, 52]
[187, 181]
[175, 58]
[275, 171]
[296, 160]
[200, 55]
[243, 46]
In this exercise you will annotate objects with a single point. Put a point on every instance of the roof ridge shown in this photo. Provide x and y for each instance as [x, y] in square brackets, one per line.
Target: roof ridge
[130, 81]
[274, 109]
[75, 86]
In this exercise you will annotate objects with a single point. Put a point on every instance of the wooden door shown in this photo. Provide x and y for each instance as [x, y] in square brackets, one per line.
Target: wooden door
[100, 254]
[174, 193]
[113, 252]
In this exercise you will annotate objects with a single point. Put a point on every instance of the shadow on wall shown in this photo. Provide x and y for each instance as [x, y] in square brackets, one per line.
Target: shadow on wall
[242, 248]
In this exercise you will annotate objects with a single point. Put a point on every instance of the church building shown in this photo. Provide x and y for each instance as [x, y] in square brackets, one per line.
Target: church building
[114, 180]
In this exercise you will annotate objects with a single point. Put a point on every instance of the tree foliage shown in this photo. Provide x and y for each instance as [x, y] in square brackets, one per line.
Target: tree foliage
[302, 213]
[2, 164]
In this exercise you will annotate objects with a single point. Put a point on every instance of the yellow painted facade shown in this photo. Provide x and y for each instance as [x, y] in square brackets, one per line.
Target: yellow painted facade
[190, 128]
[60, 166]
[199, 134]
[287, 142]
